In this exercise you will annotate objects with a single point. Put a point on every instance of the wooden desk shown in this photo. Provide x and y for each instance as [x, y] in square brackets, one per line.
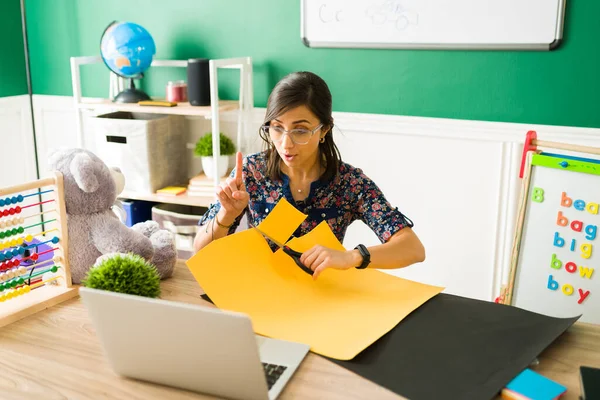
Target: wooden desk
[55, 354]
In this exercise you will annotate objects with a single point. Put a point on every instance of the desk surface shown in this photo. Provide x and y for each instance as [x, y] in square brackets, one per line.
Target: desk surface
[55, 354]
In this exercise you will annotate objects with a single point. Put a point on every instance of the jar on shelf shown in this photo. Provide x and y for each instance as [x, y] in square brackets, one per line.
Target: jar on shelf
[177, 91]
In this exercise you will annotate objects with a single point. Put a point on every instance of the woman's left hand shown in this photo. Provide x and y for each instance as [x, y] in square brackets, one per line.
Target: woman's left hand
[319, 258]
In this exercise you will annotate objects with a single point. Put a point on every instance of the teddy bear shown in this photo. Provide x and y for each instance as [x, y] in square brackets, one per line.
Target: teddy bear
[94, 229]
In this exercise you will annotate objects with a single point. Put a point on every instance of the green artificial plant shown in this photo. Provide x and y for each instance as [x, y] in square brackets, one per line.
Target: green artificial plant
[124, 273]
[204, 146]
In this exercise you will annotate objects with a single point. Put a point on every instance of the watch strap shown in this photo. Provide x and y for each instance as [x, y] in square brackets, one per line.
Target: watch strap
[365, 255]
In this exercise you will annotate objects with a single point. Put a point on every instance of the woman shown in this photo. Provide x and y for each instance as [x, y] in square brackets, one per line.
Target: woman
[303, 165]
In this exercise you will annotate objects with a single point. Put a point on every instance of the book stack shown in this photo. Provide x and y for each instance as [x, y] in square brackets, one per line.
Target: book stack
[201, 185]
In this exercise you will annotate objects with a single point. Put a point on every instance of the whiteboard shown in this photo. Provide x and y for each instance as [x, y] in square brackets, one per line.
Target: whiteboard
[554, 274]
[431, 24]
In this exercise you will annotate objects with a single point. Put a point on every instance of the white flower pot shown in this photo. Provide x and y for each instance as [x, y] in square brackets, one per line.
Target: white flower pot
[209, 168]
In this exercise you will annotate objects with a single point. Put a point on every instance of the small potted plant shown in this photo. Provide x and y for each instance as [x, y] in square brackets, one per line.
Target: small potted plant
[204, 150]
[124, 273]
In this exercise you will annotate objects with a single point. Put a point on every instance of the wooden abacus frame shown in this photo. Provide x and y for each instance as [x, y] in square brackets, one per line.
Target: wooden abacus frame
[45, 296]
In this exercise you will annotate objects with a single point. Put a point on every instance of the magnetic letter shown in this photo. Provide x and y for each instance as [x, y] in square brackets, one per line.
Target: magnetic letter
[537, 195]
[591, 232]
[565, 201]
[577, 226]
[571, 267]
[582, 296]
[592, 208]
[555, 263]
[586, 250]
[572, 244]
[552, 284]
[579, 205]
[561, 219]
[567, 289]
[558, 241]
[586, 272]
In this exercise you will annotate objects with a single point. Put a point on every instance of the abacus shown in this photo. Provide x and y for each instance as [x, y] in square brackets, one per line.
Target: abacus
[34, 265]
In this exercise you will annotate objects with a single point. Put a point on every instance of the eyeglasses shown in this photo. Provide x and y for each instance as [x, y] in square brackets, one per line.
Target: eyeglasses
[298, 135]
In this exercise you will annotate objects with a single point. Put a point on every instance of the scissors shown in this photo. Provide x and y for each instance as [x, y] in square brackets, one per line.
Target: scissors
[295, 255]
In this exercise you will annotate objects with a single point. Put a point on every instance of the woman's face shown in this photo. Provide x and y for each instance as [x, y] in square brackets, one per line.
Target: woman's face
[296, 135]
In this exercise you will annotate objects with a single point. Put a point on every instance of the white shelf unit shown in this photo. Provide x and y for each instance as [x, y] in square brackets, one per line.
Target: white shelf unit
[244, 106]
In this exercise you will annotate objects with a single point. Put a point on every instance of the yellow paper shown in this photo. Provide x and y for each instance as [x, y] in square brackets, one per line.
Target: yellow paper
[282, 222]
[339, 314]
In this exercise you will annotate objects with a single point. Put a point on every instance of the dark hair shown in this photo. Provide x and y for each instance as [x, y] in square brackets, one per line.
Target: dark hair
[302, 89]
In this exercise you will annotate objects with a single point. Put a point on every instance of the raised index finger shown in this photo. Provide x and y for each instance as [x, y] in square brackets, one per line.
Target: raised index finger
[238, 168]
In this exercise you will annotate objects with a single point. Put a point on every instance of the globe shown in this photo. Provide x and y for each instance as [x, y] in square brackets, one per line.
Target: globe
[127, 49]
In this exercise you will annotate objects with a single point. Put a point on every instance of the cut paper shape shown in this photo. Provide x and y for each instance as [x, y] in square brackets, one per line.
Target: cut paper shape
[281, 223]
[338, 315]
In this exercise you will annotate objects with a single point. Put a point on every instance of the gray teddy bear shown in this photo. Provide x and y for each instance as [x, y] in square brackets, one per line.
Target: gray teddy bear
[90, 190]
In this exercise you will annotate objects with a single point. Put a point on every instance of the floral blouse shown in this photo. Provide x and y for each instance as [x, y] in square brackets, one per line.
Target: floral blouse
[347, 197]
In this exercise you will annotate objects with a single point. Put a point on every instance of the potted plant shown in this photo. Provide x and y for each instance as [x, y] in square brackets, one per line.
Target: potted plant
[124, 273]
[204, 150]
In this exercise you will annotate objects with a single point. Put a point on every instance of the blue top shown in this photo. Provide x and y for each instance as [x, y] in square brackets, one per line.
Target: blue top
[350, 195]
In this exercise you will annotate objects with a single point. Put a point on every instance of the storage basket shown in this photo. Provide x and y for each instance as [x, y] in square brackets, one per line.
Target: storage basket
[182, 221]
[148, 148]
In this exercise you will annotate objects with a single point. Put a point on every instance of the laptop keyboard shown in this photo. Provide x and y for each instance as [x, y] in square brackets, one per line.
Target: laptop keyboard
[273, 372]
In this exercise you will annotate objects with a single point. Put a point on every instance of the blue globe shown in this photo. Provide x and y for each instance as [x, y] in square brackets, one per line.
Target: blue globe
[127, 49]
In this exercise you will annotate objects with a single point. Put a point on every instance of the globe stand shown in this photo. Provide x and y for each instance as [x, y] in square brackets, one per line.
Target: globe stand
[131, 95]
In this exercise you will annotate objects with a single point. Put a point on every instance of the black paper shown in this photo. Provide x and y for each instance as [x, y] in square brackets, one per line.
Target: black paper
[590, 383]
[457, 348]
[454, 347]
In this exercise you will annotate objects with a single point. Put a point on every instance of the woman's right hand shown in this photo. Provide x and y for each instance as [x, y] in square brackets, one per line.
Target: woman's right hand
[232, 195]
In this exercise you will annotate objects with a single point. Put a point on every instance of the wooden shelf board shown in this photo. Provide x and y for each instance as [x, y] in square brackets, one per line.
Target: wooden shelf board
[179, 109]
[182, 199]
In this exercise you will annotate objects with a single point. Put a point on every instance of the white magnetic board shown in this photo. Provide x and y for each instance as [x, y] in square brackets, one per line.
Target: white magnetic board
[431, 24]
[558, 264]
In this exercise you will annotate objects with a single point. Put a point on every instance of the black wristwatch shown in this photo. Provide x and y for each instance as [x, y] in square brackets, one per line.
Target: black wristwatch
[365, 255]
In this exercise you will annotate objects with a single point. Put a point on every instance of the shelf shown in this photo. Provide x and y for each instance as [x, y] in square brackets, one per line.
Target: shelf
[244, 106]
[179, 109]
[182, 199]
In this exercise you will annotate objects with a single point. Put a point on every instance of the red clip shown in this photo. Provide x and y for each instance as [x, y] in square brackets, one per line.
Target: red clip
[531, 135]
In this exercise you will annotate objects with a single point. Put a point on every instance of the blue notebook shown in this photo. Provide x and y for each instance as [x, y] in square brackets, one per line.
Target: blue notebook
[531, 385]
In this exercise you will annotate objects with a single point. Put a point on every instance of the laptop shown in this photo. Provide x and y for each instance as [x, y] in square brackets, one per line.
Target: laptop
[192, 347]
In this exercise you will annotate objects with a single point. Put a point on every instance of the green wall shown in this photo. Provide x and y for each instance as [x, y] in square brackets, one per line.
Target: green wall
[558, 88]
[13, 76]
